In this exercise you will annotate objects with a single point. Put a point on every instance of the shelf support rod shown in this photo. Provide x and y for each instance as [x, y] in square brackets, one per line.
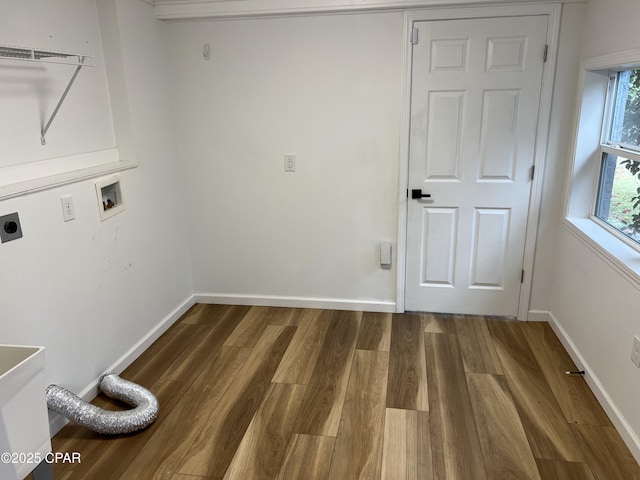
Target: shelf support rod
[43, 141]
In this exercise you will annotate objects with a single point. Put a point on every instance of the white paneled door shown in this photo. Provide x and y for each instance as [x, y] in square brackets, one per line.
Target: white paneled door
[474, 109]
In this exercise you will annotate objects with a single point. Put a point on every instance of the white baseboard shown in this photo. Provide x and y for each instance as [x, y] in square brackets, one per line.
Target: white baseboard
[539, 316]
[297, 302]
[619, 421]
[56, 422]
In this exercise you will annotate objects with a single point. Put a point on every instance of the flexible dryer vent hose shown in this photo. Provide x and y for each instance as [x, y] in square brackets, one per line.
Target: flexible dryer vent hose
[103, 421]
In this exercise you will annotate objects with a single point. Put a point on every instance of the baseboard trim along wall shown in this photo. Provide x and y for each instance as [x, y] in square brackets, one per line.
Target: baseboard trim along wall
[56, 422]
[297, 302]
[626, 432]
[539, 316]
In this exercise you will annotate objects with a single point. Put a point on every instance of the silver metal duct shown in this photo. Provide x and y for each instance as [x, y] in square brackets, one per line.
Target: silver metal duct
[103, 421]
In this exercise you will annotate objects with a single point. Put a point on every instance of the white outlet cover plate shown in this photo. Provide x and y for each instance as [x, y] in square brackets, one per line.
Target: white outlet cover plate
[289, 162]
[68, 211]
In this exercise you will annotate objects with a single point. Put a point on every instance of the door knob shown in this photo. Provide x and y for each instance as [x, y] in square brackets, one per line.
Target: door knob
[417, 194]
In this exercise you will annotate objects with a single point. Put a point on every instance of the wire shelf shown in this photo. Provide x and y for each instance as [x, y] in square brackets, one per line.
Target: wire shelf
[12, 52]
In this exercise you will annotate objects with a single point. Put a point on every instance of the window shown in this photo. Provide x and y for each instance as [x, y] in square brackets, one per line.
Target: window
[618, 196]
[596, 211]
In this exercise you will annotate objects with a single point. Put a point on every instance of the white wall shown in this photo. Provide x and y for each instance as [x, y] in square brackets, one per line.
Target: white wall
[89, 290]
[329, 89]
[595, 305]
[326, 88]
[611, 27]
[558, 148]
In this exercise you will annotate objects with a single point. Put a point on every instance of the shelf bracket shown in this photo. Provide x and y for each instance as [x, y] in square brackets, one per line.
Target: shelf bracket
[12, 52]
[44, 130]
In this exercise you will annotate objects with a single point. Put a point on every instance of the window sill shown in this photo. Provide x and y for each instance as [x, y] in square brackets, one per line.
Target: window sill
[52, 181]
[615, 252]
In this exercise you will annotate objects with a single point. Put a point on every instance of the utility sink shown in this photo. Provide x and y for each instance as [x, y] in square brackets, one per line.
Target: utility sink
[24, 423]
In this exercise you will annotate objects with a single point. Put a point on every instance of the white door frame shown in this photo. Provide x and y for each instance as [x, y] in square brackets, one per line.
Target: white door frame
[553, 10]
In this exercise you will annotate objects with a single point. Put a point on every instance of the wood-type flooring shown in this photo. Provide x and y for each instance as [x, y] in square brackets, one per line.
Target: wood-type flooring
[274, 393]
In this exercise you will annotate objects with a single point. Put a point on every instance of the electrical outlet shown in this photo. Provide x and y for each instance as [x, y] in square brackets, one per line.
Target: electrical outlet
[68, 212]
[290, 163]
[635, 351]
[10, 228]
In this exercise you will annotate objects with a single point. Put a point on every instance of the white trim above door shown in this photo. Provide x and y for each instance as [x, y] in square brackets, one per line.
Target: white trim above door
[553, 12]
[209, 9]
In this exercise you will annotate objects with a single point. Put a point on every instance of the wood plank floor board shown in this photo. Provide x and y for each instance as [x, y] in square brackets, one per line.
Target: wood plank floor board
[375, 332]
[308, 458]
[212, 313]
[438, 323]
[74, 438]
[504, 444]
[62, 475]
[419, 458]
[255, 322]
[206, 345]
[407, 387]
[212, 450]
[477, 348]
[624, 459]
[179, 476]
[544, 423]
[250, 328]
[300, 358]
[394, 453]
[223, 412]
[263, 447]
[407, 446]
[600, 457]
[287, 317]
[574, 396]
[323, 401]
[163, 353]
[101, 449]
[98, 463]
[454, 437]
[561, 470]
[169, 351]
[198, 312]
[161, 457]
[171, 371]
[358, 456]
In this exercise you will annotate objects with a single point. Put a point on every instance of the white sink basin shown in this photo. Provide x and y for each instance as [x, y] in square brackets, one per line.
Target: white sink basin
[24, 424]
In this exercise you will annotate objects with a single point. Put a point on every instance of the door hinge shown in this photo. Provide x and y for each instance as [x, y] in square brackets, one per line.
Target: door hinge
[414, 36]
[533, 171]
[546, 52]
[522, 276]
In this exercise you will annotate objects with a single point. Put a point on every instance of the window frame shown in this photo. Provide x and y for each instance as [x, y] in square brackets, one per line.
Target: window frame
[620, 150]
[581, 184]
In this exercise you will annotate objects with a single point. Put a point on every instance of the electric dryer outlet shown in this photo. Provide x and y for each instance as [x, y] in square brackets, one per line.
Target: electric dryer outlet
[10, 228]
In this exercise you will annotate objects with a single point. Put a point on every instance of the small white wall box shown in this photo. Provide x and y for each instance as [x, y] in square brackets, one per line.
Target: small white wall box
[385, 254]
[110, 200]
